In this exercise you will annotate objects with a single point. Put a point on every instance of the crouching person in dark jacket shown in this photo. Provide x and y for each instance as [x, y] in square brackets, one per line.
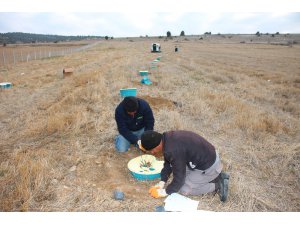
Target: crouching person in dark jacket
[133, 116]
[194, 162]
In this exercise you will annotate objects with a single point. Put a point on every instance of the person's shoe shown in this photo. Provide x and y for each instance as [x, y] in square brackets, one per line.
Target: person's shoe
[223, 186]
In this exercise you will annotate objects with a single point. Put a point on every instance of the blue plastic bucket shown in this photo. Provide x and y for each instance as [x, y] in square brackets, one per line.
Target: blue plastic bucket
[128, 92]
[146, 81]
[143, 73]
[140, 176]
[141, 172]
[5, 85]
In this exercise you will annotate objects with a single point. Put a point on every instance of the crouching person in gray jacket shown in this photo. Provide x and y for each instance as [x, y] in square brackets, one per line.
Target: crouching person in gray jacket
[195, 165]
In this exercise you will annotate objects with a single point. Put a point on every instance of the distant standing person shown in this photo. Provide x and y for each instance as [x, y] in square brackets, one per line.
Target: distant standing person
[133, 116]
[194, 162]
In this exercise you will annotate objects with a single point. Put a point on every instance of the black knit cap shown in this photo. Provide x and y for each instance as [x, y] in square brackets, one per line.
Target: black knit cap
[150, 139]
[130, 104]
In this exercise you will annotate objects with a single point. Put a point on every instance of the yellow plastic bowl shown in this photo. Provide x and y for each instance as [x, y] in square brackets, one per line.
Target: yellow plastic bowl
[141, 169]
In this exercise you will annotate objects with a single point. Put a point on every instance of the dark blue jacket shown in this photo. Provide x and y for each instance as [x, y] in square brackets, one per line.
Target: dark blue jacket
[143, 118]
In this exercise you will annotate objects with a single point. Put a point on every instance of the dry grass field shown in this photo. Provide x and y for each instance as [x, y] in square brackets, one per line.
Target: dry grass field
[57, 134]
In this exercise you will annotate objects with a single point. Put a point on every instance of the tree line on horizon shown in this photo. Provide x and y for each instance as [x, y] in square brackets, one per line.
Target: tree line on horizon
[19, 37]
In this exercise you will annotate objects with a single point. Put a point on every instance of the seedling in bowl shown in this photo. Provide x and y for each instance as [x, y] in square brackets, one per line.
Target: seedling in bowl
[146, 164]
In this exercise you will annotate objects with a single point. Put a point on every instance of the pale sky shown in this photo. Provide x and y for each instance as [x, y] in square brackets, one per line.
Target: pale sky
[153, 18]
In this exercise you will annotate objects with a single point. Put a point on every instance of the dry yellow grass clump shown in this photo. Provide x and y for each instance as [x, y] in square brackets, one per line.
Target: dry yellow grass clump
[57, 134]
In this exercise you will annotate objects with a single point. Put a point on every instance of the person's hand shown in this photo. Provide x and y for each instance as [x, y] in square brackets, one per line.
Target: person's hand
[160, 184]
[157, 192]
[139, 143]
